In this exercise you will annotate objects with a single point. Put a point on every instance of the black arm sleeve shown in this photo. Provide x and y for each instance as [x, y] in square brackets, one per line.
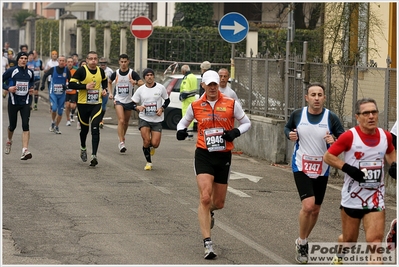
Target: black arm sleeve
[166, 103]
[80, 75]
[135, 76]
[292, 122]
[336, 126]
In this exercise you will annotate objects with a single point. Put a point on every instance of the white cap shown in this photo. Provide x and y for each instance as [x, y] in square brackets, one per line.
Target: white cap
[206, 65]
[210, 76]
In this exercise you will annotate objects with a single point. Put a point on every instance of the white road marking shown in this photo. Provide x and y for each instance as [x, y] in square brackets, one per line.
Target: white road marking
[239, 175]
[237, 192]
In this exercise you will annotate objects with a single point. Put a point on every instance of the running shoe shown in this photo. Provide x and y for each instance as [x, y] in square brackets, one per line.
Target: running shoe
[26, 155]
[152, 151]
[7, 150]
[122, 147]
[72, 119]
[391, 236]
[57, 130]
[93, 161]
[337, 260]
[301, 252]
[148, 166]
[78, 125]
[51, 129]
[212, 219]
[209, 253]
[68, 123]
[35, 107]
[83, 154]
[101, 125]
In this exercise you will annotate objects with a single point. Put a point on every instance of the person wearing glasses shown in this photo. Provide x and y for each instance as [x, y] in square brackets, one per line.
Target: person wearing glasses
[19, 82]
[92, 83]
[311, 128]
[362, 198]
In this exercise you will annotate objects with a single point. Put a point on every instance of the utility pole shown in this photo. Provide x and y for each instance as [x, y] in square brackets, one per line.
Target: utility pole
[290, 38]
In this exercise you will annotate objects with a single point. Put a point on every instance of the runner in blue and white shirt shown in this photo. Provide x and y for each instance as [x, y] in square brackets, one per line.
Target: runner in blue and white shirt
[312, 129]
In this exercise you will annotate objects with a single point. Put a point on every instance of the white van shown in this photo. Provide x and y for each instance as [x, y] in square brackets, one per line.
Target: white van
[173, 113]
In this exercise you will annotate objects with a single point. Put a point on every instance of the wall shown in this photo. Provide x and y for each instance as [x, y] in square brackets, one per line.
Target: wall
[265, 139]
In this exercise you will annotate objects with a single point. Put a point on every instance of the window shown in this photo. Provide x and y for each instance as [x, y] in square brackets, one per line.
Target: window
[130, 10]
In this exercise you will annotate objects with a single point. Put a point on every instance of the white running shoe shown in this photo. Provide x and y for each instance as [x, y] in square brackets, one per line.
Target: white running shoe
[148, 166]
[26, 155]
[78, 125]
[68, 123]
[122, 147]
[7, 149]
[209, 253]
[301, 252]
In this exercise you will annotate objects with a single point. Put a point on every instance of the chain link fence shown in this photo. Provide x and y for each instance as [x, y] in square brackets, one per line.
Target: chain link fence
[261, 86]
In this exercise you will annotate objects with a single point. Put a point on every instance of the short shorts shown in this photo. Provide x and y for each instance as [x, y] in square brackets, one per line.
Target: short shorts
[71, 98]
[309, 187]
[154, 126]
[358, 213]
[213, 163]
[126, 106]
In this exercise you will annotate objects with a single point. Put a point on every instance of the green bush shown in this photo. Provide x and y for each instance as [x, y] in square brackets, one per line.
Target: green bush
[47, 36]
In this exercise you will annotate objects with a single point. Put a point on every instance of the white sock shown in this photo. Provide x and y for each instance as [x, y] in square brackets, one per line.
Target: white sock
[302, 241]
[23, 149]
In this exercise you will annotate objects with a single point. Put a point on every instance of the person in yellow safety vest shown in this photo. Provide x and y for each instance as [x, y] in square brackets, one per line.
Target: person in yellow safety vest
[188, 90]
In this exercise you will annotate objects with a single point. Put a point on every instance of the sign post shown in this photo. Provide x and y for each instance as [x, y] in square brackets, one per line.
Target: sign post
[233, 28]
[141, 28]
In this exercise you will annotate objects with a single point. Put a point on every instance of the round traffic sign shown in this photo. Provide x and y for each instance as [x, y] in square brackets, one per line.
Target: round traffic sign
[233, 27]
[141, 27]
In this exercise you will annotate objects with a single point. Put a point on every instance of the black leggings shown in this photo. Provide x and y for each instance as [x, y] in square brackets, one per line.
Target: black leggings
[24, 111]
[90, 115]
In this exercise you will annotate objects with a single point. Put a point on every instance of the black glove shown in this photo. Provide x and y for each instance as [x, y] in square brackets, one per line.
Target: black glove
[41, 88]
[353, 172]
[392, 170]
[181, 134]
[231, 135]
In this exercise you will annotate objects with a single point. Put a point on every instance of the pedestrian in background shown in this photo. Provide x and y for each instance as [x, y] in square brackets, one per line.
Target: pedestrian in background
[188, 90]
[91, 82]
[206, 65]
[312, 129]
[215, 114]
[224, 87]
[19, 82]
[148, 99]
[362, 197]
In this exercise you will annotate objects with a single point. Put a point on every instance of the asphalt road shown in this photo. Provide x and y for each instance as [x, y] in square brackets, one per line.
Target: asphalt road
[58, 210]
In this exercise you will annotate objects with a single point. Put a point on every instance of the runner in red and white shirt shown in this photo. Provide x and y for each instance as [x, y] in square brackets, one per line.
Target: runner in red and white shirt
[365, 146]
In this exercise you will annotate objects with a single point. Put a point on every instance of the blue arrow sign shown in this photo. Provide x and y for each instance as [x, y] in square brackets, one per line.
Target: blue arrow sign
[233, 27]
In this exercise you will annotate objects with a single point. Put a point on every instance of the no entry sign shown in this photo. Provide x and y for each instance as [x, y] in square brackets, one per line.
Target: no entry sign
[141, 27]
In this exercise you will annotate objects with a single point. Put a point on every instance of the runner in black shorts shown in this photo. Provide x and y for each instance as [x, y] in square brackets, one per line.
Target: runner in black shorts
[124, 80]
[214, 145]
[215, 164]
[311, 187]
